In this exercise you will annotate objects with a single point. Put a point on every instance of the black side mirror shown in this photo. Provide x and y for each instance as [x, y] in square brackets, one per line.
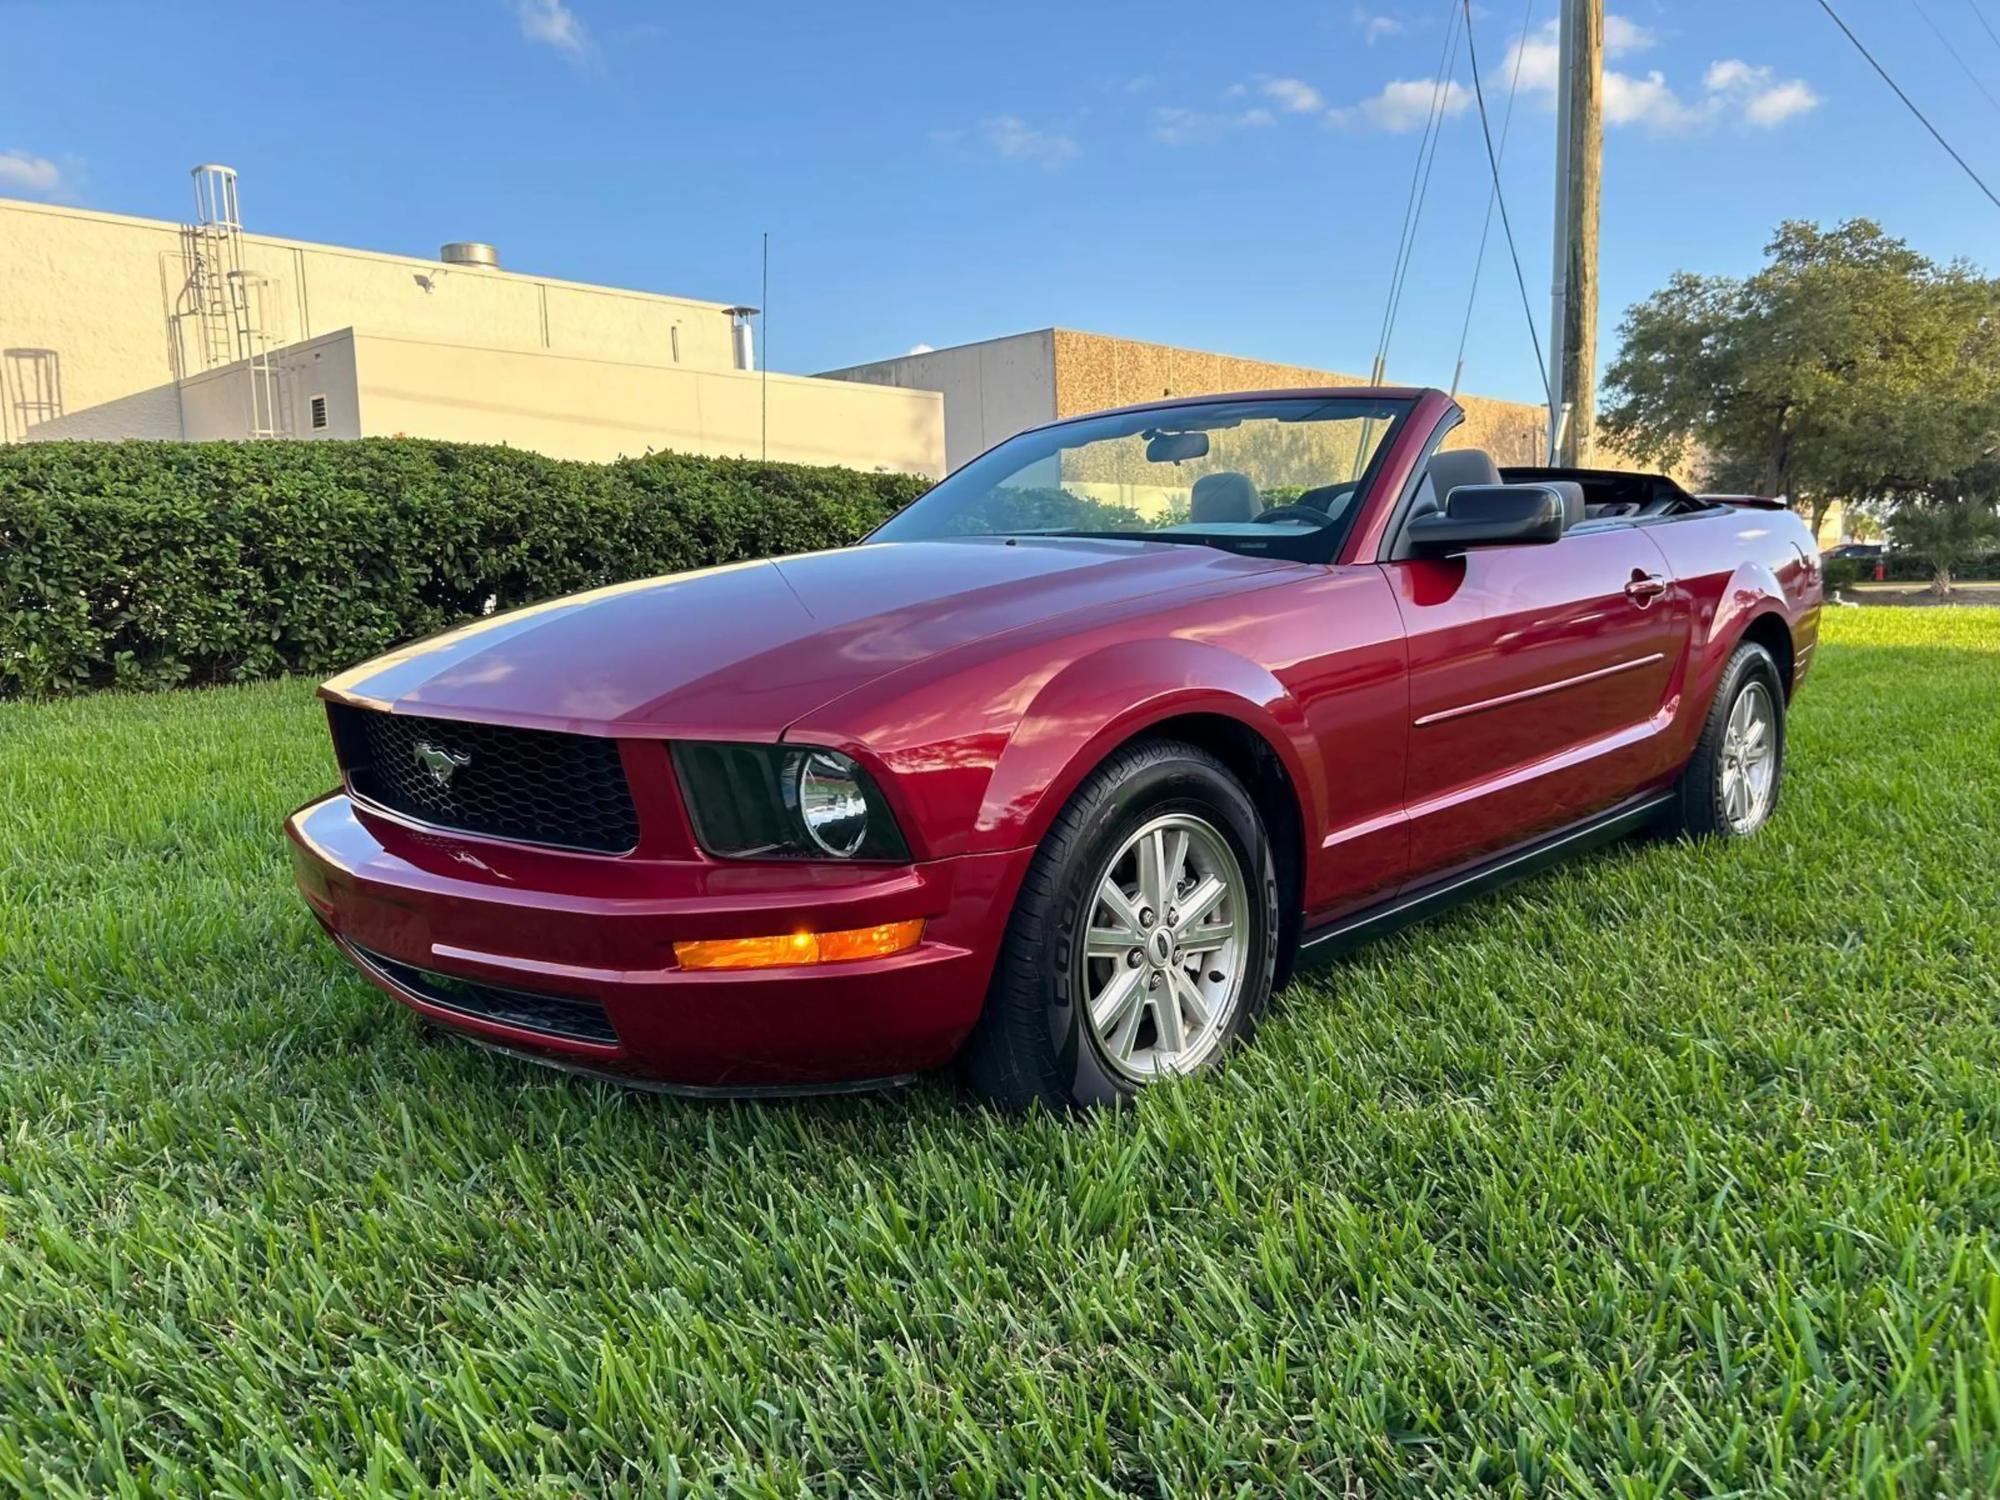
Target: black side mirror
[1490, 515]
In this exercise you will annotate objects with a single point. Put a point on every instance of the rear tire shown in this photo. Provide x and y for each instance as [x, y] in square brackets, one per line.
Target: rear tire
[1097, 989]
[1731, 783]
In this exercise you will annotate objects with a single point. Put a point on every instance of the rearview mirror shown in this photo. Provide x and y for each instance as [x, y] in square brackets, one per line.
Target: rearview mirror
[1490, 515]
[1174, 447]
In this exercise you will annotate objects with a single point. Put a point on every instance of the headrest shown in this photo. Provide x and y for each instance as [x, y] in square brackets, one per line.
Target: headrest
[1227, 496]
[1459, 466]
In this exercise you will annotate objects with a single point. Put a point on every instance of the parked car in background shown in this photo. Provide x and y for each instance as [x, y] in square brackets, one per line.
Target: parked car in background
[1849, 563]
[1065, 767]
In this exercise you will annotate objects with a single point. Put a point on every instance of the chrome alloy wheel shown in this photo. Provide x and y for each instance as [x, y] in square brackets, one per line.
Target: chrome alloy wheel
[1162, 961]
[1749, 763]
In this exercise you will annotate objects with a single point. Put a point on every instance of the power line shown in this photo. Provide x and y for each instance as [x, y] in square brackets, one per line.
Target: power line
[1420, 178]
[1984, 22]
[1493, 161]
[1908, 103]
[1492, 197]
[1440, 99]
[1945, 41]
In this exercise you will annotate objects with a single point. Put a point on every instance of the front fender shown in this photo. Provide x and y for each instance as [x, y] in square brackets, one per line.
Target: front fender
[1099, 701]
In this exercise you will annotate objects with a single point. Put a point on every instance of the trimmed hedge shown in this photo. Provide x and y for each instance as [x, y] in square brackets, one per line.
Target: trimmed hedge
[1910, 566]
[149, 565]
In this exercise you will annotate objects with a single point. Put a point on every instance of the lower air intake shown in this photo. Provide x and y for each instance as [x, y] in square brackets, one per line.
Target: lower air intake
[562, 1016]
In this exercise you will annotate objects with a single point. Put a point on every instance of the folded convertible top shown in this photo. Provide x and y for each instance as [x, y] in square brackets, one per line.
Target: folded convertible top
[1751, 502]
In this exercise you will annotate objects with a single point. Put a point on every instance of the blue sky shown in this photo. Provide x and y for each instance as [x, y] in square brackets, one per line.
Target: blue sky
[1226, 177]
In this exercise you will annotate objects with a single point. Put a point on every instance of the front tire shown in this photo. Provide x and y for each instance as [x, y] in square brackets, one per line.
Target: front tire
[1143, 941]
[1731, 783]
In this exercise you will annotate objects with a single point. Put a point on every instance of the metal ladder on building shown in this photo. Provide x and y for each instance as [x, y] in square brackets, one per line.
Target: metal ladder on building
[230, 301]
[249, 296]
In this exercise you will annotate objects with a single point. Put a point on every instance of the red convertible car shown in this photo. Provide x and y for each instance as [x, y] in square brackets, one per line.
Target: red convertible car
[1061, 770]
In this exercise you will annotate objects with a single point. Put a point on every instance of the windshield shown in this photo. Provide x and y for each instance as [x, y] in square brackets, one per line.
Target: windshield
[1278, 474]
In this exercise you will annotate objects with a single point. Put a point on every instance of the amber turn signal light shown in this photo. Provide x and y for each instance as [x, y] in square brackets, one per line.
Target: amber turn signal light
[800, 947]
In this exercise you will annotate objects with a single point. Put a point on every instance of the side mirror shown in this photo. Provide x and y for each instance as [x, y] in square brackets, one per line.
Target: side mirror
[1490, 515]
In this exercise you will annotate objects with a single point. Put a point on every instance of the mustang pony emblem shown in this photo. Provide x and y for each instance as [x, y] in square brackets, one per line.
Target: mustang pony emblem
[442, 764]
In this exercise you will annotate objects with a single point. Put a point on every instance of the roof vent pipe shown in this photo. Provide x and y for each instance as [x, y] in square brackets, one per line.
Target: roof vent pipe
[746, 341]
[470, 253]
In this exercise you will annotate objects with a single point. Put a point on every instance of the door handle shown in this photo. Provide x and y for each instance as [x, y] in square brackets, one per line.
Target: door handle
[1645, 588]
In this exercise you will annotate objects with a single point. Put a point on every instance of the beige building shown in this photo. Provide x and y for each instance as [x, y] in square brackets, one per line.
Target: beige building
[994, 389]
[112, 327]
[119, 327]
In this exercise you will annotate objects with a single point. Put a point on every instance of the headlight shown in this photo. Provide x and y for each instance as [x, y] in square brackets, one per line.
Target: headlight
[831, 803]
[784, 802]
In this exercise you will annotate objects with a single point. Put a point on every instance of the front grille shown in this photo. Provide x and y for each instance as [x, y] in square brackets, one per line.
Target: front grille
[532, 785]
[550, 1015]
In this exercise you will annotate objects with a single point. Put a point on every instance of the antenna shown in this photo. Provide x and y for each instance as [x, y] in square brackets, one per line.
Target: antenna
[764, 373]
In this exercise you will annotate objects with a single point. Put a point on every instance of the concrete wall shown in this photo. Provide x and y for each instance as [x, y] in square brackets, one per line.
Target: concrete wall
[154, 413]
[1094, 371]
[566, 406]
[215, 405]
[326, 367]
[992, 390]
[597, 409]
[90, 299]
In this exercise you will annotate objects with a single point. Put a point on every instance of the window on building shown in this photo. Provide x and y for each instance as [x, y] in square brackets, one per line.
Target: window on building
[319, 413]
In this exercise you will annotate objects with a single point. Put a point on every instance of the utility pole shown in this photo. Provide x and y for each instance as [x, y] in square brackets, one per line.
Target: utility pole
[1579, 166]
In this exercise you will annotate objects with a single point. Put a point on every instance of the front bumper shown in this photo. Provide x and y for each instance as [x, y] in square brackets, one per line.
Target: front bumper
[404, 903]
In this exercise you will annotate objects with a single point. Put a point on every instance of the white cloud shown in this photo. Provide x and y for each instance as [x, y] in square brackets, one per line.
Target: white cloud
[1175, 126]
[1404, 104]
[1763, 99]
[1622, 36]
[1294, 96]
[1758, 95]
[1536, 57]
[1017, 140]
[919, 349]
[1645, 101]
[1777, 104]
[29, 174]
[1540, 56]
[1731, 89]
[1375, 27]
[1732, 73]
[551, 23]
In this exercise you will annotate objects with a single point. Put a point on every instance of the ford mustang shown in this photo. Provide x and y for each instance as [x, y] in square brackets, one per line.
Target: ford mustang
[1065, 767]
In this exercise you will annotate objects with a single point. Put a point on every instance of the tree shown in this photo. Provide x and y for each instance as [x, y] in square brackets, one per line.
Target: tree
[1951, 523]
[1848, 367]
[1863, 525]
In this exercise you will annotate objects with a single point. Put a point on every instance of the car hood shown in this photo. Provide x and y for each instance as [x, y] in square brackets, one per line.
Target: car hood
[744, 650]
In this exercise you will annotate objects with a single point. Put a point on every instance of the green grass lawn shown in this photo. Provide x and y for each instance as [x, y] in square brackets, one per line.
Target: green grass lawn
[1674, 1171]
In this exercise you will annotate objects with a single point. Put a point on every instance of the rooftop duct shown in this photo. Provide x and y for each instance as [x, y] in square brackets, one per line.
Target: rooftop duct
[470, 253]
